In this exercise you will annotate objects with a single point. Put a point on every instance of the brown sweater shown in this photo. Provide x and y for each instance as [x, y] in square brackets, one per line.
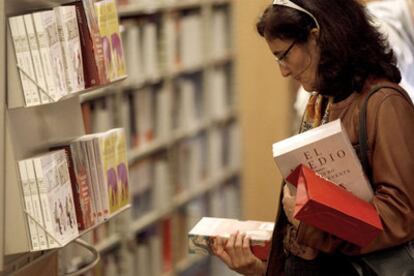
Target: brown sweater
[390, 130]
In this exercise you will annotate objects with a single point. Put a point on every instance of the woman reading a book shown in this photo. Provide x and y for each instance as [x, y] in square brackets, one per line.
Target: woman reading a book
[331, 47]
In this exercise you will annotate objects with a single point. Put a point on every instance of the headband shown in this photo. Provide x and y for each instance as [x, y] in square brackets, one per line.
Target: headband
[292, 5]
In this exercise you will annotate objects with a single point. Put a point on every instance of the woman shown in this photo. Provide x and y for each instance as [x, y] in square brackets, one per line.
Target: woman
[331, 47]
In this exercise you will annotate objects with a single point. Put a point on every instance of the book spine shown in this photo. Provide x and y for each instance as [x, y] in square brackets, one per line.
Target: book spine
[70, 42]
[37, 207]
[42, 169]
[90, 68]
[37, 61]
[46, 57]
[97, 46]
[94, 187]
[96, 178]
[29, 206]
[76, 190]
[84, 189]
[100, 174]
[24, 60]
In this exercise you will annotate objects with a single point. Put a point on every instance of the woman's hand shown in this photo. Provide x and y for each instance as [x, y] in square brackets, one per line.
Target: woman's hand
[237, 255]
[288, 202]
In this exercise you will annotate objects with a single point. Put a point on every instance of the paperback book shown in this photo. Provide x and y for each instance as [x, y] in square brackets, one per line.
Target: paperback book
[203, 233]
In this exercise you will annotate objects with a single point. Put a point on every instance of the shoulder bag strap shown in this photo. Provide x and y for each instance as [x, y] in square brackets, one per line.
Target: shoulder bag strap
[362, 129]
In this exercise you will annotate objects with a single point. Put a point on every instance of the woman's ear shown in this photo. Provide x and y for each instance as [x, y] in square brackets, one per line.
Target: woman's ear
[314, 35]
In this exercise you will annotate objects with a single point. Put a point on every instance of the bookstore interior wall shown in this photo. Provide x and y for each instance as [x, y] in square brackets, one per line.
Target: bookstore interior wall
[265, 112]
[180, 125]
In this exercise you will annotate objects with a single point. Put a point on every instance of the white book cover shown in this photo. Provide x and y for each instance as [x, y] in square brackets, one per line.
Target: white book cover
[219, 33]
[215, 153]
[56, 197]
[68, 30]
[171, 51]
[150, 51]
[91, 175]
[36, 56]
[218, 93]
[191, 41]
[188, 112]
[156, 254]
[37, 206]
[51, 53]
[125, 118]
[142, 258]
[163, 119]
[327, 151]
[103, 114]
[95, 159]
[24, 60]
[134, 53]
[144, 106]
[235, 146]
[24, 181]
[162, 189]
[260, 233]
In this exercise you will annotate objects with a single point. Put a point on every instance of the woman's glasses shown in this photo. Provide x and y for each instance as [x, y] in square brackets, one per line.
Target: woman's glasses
[280, 59]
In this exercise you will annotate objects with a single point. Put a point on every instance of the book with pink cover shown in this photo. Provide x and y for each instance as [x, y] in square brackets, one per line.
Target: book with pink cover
[201, 235]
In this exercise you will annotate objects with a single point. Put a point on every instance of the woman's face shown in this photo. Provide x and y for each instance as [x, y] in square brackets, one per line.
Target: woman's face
[301, 61]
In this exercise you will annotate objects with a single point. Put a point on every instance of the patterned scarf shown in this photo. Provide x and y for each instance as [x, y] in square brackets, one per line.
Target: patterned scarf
[316, 114]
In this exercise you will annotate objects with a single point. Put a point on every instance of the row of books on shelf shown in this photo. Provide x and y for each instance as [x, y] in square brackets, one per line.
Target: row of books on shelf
[150, 113]
[195, 165]
[163, 245]
[154, 47]
[75, 186]
[67, 49]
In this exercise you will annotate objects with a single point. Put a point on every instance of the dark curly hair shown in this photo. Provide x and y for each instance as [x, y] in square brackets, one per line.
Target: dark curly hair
[351, 48]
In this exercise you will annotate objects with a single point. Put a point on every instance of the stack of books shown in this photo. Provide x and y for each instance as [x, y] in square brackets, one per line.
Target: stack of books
[67, 49]
[76, 187]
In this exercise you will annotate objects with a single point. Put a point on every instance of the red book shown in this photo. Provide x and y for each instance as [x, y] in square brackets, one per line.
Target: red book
[80, 189]
[331, 208]
[91, 45]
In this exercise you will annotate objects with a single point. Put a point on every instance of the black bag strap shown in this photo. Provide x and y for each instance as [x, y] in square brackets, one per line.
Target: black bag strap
[362, 128]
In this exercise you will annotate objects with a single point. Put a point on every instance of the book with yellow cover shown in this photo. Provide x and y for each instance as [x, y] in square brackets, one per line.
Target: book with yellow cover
[108, 23]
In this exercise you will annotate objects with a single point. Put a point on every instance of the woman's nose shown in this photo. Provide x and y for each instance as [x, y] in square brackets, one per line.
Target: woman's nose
[284, 70]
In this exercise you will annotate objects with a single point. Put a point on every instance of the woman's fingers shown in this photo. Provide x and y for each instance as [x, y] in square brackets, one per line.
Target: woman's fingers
[217, 247]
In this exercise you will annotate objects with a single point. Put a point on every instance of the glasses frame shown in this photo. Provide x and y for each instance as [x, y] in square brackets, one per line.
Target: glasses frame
[281, 59]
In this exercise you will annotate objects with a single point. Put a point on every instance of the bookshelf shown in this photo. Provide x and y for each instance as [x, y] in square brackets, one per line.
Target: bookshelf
[213, 184]
[25, 132]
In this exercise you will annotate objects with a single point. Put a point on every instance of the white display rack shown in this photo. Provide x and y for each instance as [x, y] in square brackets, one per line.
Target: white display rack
[26, 131]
